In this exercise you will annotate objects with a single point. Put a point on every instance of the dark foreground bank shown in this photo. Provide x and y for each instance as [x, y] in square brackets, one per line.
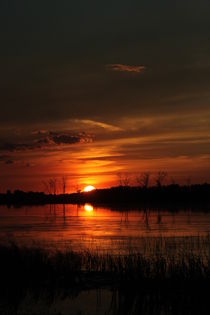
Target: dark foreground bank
[141, 283]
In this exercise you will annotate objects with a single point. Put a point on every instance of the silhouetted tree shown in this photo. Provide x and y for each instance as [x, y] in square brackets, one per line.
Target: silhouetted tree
[53, 185]
[160, 178]
[64, 181]
[124, 179]
[173, 182]
[77, 188]
[119, 175]
[188, 181]
[50, 186]
[46, 187]
[143, 179]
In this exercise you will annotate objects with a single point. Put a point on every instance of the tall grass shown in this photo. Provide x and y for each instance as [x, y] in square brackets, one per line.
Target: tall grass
[165, 273]
[136, 277]
[37, 267]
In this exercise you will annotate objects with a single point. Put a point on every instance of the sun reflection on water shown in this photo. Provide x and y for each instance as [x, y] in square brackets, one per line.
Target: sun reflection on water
[88, 207]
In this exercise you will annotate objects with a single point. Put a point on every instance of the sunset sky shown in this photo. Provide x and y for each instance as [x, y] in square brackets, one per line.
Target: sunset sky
[90, 89]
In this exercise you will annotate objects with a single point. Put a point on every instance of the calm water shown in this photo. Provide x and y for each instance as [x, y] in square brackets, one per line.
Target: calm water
[113, 231]
[101, 229]
[114, 302]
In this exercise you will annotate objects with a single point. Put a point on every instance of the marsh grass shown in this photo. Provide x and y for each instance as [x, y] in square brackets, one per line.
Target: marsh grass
[160, 275]
[160, 259]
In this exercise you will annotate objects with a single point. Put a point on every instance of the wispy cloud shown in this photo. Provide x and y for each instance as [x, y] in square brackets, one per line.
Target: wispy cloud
[98, 124]
[126, 68]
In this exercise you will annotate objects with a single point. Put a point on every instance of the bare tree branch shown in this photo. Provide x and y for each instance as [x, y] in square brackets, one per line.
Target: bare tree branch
[160, 178]
[64, 183]
[124, 179]
[143, 179]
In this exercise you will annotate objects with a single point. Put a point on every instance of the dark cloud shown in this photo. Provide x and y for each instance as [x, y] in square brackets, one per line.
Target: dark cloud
[51, 139]
[3, 157]
[65, 138]
[52, 69]
[9, 162]
[6, 159]
[28, 164]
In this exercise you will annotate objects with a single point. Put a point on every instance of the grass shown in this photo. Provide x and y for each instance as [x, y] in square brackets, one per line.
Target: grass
[32, 267]
[166, 280]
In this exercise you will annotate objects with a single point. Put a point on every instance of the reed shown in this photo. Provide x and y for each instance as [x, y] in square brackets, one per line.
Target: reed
[164, 279]
[29, 267]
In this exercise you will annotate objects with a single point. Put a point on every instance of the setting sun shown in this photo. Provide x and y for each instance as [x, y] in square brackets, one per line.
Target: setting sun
[89, 188]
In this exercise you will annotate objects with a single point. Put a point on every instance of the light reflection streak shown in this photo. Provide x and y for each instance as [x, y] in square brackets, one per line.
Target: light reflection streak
[88, 207]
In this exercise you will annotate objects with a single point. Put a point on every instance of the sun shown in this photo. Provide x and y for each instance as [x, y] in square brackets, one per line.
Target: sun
[89, 188]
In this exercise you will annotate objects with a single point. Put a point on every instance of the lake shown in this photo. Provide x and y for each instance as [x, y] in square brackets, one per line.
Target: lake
[103, 229]
[173, 234]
